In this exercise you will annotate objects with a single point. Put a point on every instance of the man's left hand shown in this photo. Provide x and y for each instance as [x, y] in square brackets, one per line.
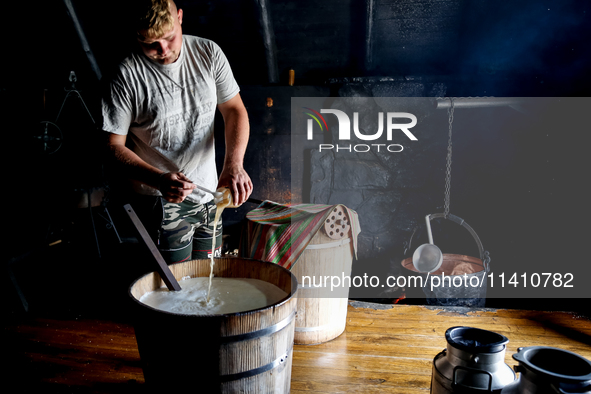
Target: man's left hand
[237, 180]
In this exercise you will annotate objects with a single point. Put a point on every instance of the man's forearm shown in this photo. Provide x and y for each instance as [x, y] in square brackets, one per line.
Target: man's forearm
[237, 131]
[133, 166]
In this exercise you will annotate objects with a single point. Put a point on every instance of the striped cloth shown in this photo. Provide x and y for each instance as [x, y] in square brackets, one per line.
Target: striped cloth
[280, 233]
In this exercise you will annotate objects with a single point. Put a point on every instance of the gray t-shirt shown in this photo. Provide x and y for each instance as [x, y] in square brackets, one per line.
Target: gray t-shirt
[167, 111]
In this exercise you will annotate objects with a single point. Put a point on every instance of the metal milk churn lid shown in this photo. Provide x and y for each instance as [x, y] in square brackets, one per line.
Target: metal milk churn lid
[550, 370]
[473, 362]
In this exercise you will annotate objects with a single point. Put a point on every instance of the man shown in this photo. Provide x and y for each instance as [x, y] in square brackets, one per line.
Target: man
[159, 115]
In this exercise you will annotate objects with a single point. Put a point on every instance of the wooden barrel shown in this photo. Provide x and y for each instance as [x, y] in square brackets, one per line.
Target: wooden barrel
[322, 311]
[244, 352]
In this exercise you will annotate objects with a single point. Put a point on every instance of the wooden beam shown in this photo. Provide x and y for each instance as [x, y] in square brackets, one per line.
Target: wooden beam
[82, 36]
[268, 33]
[371, 15]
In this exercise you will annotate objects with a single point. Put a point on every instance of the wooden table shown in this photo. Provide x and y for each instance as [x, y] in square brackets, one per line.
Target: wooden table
[385, 349]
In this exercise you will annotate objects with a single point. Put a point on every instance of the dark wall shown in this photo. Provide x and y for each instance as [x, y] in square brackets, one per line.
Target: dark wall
[472, 48]
[519, 48]
[515, 179]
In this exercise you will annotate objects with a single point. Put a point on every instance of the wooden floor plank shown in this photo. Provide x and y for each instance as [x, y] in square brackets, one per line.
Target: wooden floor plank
[360, 347]
[359, 377]
[384, 349]
[514, 318]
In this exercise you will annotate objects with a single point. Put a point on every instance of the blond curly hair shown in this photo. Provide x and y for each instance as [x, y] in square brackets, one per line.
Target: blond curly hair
[155, 16]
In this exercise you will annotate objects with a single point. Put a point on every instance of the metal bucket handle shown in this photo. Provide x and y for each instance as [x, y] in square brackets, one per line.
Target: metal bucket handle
[484, 255]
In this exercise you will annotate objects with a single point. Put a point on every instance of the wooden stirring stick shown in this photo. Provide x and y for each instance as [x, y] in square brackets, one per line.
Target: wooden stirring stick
[162, 267]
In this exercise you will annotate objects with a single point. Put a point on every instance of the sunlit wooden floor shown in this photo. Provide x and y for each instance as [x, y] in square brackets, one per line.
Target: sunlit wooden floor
[390, 349]
[384, 349]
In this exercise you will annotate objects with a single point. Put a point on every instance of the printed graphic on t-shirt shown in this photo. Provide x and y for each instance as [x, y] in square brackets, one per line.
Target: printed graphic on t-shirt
[170, 110]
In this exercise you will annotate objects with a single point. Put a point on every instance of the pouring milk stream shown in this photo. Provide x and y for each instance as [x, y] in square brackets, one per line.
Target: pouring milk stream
[220, 202]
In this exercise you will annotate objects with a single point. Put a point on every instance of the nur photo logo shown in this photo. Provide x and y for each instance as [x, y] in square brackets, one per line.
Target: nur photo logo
[389, 122]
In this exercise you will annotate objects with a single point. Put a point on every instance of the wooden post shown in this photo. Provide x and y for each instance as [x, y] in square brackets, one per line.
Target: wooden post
[144, 237]
[83, 40]
[371, 13]
[266, 26]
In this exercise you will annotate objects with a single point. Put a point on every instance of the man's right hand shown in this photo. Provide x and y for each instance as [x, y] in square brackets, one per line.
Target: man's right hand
[175, 186]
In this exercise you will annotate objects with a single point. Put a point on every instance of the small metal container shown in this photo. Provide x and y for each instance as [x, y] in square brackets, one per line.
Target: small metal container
[473, 362]
[550, 370]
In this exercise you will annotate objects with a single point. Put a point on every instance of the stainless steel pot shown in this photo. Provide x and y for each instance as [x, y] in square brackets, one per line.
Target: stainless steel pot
[473, 362]
[550, 370]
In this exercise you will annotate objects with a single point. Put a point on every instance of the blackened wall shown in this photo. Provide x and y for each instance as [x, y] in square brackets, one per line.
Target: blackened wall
[518, 48]
[473, 48]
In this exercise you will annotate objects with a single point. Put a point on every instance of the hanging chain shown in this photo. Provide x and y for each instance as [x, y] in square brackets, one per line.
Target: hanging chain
[450, 115]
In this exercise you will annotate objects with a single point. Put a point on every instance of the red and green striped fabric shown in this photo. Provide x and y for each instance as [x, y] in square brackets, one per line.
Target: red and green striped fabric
[280, 233]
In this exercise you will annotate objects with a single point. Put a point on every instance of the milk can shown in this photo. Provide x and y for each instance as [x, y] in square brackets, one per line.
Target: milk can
[473, 362]
[550, 370]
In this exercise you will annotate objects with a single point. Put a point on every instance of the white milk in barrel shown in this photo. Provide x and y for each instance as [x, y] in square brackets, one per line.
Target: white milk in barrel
[228, 295]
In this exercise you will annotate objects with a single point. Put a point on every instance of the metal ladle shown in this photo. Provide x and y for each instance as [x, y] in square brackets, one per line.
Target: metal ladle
[427, 257]
[217, 196]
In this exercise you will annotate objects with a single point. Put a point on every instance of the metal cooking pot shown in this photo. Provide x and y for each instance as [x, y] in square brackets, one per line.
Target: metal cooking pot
[447, 293]
[473, 362]
[550, 370]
